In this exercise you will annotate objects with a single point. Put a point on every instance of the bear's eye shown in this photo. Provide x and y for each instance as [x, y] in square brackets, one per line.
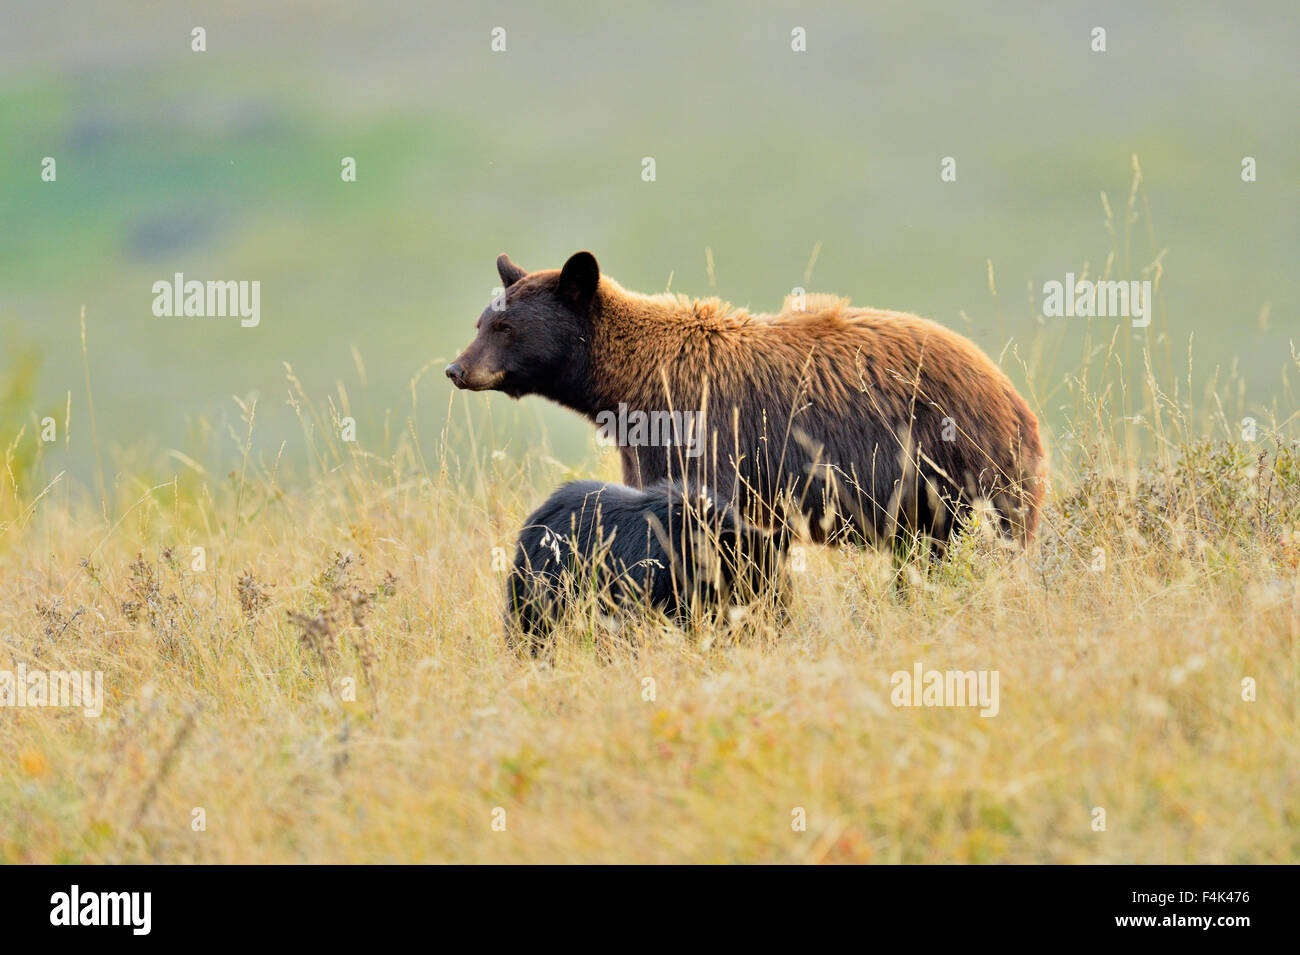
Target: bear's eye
[504, 328]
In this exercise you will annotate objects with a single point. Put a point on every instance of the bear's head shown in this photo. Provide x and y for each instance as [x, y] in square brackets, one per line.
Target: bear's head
[753, 561]
[532, 339]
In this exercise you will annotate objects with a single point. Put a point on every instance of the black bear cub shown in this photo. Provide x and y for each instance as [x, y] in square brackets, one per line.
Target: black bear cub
[676, 550]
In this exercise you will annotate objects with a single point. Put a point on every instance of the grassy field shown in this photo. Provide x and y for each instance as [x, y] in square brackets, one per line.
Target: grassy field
[300, 636]
[333, 685]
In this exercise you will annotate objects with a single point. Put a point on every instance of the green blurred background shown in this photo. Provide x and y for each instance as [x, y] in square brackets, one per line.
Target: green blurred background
[226, 165]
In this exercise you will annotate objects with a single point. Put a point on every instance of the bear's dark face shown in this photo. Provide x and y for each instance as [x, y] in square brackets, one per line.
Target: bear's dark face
[532, 339]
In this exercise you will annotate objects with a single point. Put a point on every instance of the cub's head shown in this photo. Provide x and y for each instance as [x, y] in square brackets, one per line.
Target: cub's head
[531, 339]
[754, 564]
[743, 562]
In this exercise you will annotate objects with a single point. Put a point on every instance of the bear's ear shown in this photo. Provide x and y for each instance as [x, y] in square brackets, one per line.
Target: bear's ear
[509, 272]
[578, 279]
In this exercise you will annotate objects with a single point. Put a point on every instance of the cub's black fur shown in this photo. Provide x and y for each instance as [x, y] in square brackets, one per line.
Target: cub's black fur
[665, 547]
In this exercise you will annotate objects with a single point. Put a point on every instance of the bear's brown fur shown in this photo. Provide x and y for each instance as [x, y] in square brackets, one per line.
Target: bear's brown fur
[872, 424]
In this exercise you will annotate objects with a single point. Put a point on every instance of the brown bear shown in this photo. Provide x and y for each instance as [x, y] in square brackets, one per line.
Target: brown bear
[873, 425]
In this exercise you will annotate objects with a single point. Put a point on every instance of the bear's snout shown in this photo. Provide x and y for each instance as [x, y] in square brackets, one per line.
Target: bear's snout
[468, 375]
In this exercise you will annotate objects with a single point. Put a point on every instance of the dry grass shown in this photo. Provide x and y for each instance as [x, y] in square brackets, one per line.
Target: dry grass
[227, 687]
[333, 685]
